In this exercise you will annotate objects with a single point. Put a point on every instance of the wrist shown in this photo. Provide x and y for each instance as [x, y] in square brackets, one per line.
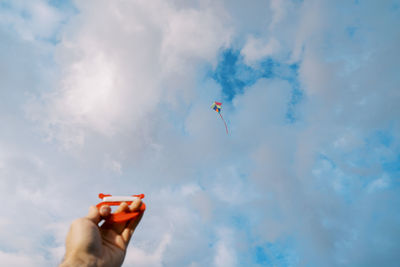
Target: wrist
[80, 261]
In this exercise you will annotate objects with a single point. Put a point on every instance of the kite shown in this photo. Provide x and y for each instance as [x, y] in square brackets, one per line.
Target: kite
[217, 107]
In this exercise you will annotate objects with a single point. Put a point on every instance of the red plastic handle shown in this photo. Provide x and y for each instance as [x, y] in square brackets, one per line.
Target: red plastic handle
[121, 216]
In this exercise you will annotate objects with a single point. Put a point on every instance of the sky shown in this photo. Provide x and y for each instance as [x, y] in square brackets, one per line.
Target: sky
[114, 97]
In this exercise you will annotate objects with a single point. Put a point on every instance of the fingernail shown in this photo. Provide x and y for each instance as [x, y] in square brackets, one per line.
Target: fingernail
[104, 209]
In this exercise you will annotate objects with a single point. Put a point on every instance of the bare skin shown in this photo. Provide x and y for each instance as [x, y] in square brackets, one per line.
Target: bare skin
[88, 244]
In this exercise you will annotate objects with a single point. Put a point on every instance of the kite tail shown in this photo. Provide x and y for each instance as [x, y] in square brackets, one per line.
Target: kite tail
[226, 127]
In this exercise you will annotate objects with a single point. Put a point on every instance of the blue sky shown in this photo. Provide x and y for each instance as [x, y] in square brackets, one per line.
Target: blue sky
[115, 96]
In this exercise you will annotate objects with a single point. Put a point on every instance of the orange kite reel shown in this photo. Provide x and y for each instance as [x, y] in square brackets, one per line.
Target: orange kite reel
[121, 216]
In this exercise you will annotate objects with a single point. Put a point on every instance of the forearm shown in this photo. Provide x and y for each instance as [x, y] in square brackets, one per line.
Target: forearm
[80, 261]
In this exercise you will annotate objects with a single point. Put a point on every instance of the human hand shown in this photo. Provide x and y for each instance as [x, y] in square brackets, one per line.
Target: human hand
[105, 246]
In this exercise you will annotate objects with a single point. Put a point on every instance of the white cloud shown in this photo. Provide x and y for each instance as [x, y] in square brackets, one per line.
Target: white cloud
[193, 34]
[140, 258]
[32, 20]
[225, 254]
[20, 259]
[279, 9]
[256, 49]
[379, 184]
[113, 78]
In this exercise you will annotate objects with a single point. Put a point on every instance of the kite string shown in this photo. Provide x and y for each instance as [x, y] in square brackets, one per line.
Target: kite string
[226, 127]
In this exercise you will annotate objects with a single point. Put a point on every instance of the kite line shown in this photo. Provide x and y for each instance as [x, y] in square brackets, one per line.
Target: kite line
[226, 127]
[217, 106]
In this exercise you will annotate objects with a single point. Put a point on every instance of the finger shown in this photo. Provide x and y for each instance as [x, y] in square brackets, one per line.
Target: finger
[132, 224]
[122, 207]
[94, 214]
[105, 211]
[135, 205]
[130, 229]
[118, 227]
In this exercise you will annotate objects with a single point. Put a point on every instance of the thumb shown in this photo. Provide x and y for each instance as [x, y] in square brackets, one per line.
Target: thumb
[95, 215]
